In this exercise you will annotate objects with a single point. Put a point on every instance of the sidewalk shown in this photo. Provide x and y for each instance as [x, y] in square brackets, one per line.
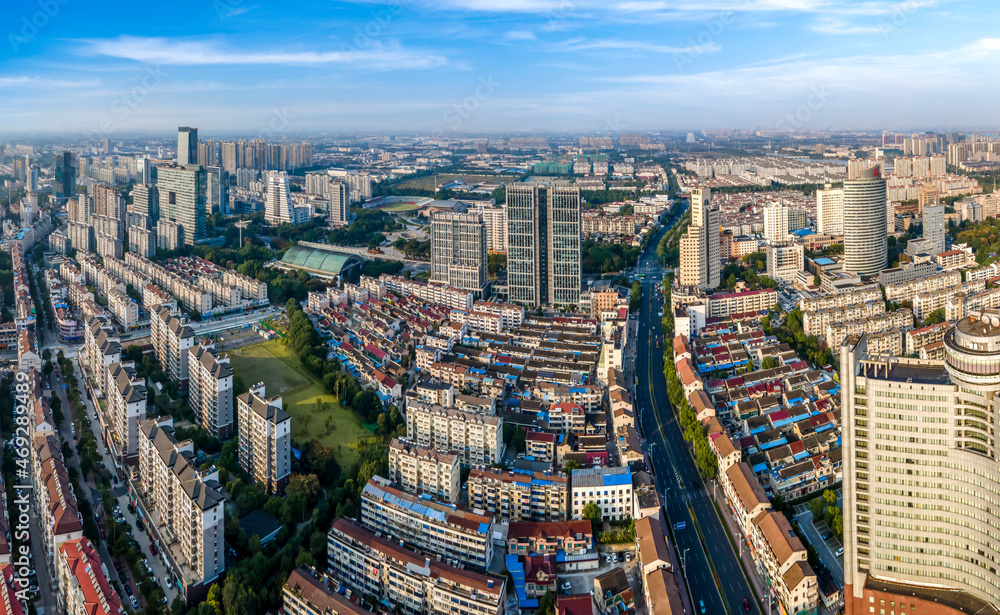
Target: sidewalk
[745, 556]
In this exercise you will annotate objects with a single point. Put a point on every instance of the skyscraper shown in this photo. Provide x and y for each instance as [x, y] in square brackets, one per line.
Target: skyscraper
[927, 195]
[187, 145]
[339, 213]
[865, 223]
[700, 247]
[65, 180]
[146, 201]
[217, 190]
[144, 171]
[830, 211]
[543, 243]
[458, 251]
[934, 228]
[278, 206]
[921, 476]
[182, 199]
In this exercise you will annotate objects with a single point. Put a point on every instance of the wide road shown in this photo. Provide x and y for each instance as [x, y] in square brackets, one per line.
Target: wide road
[676, 473]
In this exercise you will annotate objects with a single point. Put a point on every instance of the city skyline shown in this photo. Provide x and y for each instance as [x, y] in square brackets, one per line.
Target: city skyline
[463, 67]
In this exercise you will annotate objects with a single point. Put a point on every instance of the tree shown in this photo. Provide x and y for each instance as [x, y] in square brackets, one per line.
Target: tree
[571, 465]
[547, 603]
[770, 363]
[194, 315]
[635, 299]
[593, 512]
[935, 317]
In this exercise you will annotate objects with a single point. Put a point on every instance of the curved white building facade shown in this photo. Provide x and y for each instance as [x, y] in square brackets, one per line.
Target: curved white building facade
[865, 223]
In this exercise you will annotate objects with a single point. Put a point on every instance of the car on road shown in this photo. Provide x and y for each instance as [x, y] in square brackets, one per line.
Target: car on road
[135, 603]
[826, 536]
[746, 605]
[701, 605]
[128, 589]
[567, 586]
[695, 484]
[152, 548]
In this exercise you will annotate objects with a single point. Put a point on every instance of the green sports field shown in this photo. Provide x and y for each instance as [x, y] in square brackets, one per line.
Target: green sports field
[407, 206]
[282, 374]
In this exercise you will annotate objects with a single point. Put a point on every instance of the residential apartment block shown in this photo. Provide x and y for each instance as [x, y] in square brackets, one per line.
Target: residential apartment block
[182, 505]
[370, 564]
[265, 438]
[456, 536]
[83, 587]
[514, 495]
[306, 593]
[477, 439]
[101, 348]
[210, 391]
[608, 487]
[126, 406]
[171, 341]
[424, 470]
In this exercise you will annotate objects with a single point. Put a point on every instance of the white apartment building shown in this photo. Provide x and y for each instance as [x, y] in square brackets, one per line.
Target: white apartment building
[925, 303]
[126, 407]
[608, 487]
[101, 348]
[250, 288]
[922, 433]
[901, 321]
[815, 323]
[123, 308]
[458, 251]
[455, 535]
[182, 505]
[371, 564]
[495, 219]
[908, 273]
[776, 223]
[142, 241]
[210, 391]
[781, 559]
[520, 496]
[907, 291]
[265, 438]
[278, 205]
[830, 211]
[511, 315]
[171, 341]
[477, 438]
[826, 301]
[785, 261]
[421, 469]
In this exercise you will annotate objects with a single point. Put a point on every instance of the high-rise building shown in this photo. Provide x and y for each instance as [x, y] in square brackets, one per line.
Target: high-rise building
[105, 146]
[865, 223]
[210, 391]
[934, 228]
[700, 263]
[830, 211]
[146, 201]
[217, 190]
[182, 199]
[458, 251]
[172, 340]
[543, 244]
[125, 408]
[339, 213]
[187, 146]
[776, 223]
[109, 202]
[144, 171]
[265, 438]
[921, 475]
[495, 219]
[64, 185]
[278, 205]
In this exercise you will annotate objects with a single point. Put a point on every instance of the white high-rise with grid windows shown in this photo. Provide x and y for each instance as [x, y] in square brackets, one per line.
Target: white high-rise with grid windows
[865, 223]
[921, 474]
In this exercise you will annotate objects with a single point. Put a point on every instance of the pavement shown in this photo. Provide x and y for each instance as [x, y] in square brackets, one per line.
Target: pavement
[826, 552]
[675, 473]
[119, 492]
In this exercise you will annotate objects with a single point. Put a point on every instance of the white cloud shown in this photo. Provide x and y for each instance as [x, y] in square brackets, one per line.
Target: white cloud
[831, 25]
[520, 35]
[583, 44]
[204, 52]
[24, 81]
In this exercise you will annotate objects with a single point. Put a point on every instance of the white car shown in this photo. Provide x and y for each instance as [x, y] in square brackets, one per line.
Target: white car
[135, 603]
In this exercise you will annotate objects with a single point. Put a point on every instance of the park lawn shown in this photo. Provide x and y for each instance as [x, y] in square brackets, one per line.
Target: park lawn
[278, 368]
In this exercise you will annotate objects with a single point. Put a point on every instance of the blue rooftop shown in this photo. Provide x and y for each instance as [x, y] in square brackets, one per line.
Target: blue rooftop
[802, 232]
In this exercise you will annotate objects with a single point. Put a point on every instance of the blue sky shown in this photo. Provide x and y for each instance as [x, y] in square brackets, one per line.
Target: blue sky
[258, 66]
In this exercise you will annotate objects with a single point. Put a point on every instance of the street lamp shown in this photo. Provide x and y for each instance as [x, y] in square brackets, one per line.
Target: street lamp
[685, 569]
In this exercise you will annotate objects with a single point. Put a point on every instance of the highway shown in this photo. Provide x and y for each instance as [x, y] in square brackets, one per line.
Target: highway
[676, 473]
